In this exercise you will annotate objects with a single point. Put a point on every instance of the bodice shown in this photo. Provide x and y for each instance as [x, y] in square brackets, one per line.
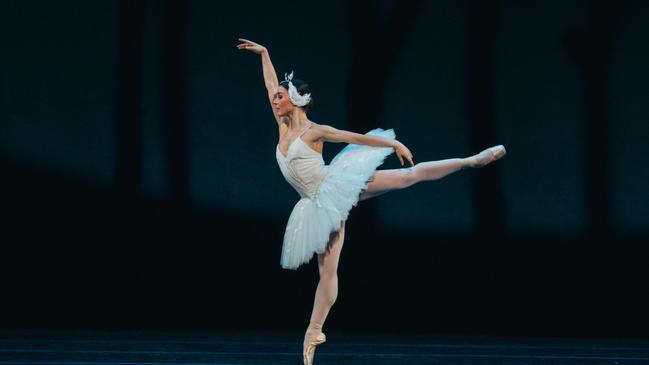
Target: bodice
[302, 167]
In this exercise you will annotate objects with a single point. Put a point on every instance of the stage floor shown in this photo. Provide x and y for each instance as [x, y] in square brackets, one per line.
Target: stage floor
[144, 347]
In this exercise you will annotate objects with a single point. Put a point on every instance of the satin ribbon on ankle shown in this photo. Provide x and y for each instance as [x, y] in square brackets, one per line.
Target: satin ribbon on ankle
[315, 325]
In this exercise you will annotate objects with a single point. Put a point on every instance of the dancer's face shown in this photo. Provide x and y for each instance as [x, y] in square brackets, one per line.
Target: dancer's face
[281, 103]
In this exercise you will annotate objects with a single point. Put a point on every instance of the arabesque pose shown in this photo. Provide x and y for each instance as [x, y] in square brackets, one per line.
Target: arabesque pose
[328, 192]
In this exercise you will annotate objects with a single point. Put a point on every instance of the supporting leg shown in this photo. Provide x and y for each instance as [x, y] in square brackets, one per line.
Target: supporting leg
[326, 294]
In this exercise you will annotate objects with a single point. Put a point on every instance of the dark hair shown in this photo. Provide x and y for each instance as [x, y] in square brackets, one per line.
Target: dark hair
[302, 88]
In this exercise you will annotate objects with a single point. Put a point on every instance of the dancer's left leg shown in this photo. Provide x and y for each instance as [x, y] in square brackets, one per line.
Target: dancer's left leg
[387, 180]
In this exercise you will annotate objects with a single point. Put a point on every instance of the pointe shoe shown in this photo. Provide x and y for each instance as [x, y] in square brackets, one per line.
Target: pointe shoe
[312, 338]
[487, 156]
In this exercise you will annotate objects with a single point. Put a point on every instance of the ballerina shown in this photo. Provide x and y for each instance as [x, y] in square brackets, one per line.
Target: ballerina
[316, 225]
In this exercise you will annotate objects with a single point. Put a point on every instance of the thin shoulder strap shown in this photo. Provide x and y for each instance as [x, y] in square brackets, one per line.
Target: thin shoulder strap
[306, 128]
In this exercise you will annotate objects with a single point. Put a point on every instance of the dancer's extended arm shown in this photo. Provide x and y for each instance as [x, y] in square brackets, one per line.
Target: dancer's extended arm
[331, 134]
[270, 77]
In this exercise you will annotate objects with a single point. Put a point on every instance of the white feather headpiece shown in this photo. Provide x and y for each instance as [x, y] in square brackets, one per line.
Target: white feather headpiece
[293, 95]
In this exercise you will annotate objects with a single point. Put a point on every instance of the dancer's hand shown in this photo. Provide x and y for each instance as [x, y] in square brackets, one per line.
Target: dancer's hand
[251, 46]
[403, 152]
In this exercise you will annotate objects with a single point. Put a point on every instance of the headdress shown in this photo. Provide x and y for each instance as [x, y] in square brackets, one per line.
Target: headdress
[293, 95]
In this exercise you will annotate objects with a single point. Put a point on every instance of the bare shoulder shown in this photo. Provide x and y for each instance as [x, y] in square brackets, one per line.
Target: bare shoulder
[321, 130]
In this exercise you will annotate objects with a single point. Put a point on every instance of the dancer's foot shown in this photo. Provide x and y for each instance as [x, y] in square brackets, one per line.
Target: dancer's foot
[486, 157]
[312, 338]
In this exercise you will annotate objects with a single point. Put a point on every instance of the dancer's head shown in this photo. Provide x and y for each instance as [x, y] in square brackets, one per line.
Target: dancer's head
[285, 102]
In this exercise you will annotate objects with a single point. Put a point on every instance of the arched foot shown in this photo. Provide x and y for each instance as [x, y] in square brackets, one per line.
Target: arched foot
[486, 157]
[312, 338]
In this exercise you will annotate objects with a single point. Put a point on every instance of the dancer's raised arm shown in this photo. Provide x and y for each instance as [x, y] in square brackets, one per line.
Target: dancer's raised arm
[270, 77]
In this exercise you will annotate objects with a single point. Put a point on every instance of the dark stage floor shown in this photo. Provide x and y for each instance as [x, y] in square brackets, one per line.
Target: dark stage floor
[134, 347]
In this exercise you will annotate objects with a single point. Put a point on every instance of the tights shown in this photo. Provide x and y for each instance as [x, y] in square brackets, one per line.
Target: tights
[381, 182]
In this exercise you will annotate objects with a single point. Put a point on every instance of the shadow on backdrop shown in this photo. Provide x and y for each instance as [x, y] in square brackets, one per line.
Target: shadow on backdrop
[79, 255]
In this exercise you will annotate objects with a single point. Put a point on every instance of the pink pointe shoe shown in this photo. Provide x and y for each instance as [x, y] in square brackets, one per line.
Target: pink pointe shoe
[312, 338]
[487, 156]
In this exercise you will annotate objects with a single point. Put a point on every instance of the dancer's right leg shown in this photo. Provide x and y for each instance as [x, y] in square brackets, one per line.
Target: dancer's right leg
[325, 295]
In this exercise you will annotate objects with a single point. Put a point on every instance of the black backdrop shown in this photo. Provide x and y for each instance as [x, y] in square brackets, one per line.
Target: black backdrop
[140, 190]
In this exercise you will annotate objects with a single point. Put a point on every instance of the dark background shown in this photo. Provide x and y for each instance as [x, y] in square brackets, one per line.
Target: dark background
[140, 188]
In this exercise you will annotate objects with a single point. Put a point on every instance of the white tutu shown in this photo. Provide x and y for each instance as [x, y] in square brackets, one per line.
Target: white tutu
[314, 218]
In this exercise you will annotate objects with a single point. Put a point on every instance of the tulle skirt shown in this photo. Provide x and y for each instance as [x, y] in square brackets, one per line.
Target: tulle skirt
[312, 221]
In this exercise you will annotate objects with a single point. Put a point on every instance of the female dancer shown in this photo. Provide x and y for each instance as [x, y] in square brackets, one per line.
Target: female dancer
[328, 192]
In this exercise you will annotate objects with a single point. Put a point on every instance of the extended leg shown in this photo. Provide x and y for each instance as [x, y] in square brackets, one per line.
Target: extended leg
[387, 180]
[325, 295]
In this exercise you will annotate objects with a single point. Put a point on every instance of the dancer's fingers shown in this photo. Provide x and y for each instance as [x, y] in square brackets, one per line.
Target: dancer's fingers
[400, 159]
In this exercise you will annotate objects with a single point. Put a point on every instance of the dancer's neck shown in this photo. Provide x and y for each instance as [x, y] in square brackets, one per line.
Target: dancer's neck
[296, 120]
